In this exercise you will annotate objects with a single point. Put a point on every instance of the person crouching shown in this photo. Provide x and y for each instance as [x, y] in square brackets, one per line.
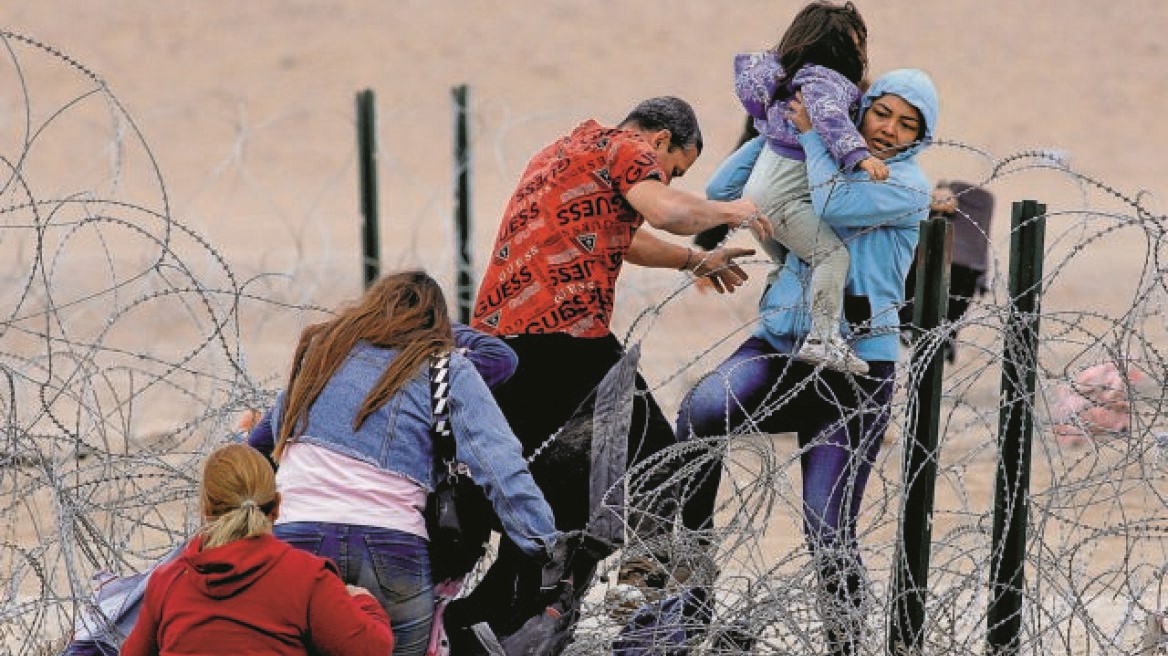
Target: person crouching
[238, 589]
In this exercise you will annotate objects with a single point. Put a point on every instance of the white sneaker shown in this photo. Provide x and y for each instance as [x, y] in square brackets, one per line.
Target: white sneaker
[833, 353]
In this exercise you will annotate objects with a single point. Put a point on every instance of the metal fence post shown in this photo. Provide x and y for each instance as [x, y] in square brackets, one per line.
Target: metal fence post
[367, 172]
[1016, 426]
[930, 303]
[462, 264]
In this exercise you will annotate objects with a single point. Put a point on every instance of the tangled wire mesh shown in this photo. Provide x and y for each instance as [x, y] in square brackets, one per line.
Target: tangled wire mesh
[122, 365]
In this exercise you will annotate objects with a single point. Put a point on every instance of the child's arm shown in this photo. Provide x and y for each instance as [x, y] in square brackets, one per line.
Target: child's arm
[143, 638]
[494, 360]
[344, 621]
[841, 201]
[756, 78]
[828, 97]
[875, 168]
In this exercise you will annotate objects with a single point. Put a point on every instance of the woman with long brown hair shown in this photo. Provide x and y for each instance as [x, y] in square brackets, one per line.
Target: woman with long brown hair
[237, 589]
[355, 454]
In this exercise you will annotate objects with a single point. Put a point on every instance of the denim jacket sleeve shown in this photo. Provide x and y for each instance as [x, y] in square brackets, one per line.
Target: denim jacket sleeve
[494, 360]
[485, 442]
[851, 200]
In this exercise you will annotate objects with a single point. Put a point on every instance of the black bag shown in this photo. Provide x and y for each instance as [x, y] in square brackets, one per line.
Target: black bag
[545, 634]
[458, 515]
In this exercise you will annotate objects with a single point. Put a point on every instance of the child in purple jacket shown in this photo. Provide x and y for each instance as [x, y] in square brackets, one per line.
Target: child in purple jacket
[822, 57]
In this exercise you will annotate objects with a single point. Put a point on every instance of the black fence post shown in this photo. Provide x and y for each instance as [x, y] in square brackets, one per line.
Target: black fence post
[930, 304]
[462, 264]
[1016, 426]
[367, 171]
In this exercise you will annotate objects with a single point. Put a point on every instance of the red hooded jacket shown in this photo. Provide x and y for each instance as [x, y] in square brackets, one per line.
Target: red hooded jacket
[255, 596]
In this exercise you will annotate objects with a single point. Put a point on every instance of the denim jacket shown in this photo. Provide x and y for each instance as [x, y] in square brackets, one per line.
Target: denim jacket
[397, 438]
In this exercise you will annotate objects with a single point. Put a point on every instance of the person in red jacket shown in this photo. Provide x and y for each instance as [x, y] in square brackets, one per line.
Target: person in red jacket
[238, 589]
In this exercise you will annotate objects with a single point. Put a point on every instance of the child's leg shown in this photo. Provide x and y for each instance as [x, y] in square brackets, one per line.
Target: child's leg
[779, 187]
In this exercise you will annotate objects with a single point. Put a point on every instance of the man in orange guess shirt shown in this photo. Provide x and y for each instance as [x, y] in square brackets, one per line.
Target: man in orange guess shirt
[549, 291]
[573, 221]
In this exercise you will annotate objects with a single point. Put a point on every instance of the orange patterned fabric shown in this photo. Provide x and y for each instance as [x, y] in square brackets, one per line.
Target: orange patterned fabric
[564, 236]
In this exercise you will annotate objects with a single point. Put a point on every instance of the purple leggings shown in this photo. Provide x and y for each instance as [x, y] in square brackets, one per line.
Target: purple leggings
[840, 421]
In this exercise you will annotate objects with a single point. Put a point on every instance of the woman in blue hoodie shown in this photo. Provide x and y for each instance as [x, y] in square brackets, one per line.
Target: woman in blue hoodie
[840, 418]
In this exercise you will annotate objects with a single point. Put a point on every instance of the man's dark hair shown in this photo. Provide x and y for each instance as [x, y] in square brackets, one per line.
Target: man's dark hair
[668, 113]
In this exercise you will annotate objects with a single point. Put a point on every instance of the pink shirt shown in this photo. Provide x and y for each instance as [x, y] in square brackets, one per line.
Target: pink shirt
[319, 485]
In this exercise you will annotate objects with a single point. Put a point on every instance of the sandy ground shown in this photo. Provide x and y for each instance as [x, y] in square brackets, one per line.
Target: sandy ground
[243, 131]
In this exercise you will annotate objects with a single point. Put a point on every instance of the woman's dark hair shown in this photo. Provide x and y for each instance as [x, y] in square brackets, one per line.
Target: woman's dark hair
[824, 33]
[748, 132]
[404, 311]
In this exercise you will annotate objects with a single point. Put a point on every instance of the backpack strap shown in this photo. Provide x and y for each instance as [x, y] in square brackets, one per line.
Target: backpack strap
[443, 437]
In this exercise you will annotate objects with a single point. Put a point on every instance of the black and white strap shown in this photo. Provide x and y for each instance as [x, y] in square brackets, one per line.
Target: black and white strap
[440, 408]
[440, 393]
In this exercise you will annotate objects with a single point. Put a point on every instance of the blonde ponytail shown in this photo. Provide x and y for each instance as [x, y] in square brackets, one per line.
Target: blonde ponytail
[238, 494]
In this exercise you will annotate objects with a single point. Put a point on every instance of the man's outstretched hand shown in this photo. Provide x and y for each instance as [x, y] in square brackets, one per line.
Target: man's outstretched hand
[749, 216]
[720, 269]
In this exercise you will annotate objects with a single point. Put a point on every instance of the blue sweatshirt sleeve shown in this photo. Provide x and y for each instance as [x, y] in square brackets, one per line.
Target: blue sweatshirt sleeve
[731, 176]
[484, 441]
[852, 200]
[494, 360]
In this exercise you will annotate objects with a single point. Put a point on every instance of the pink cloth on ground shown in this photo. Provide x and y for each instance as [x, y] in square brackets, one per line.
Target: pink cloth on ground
[1095, 403]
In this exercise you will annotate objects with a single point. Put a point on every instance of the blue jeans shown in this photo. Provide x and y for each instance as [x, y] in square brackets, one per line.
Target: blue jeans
[840, 421]
[392, 565]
